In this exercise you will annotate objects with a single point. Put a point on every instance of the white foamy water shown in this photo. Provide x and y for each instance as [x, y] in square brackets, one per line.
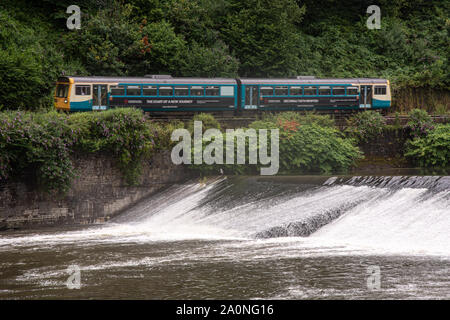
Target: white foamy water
[371, 215]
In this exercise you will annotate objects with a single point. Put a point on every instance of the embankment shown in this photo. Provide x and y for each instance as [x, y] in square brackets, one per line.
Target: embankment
[98, 193]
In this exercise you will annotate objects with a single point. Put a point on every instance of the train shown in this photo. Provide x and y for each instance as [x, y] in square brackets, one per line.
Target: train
[164, 93]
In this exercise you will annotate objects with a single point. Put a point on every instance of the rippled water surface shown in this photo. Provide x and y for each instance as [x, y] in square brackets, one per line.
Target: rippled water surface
[250, 238]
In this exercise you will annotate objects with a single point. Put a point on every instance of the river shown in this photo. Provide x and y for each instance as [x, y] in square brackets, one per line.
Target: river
[249, 238]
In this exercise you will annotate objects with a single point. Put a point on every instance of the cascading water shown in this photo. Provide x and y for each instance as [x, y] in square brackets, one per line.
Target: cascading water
[258, 220]
[408, 213]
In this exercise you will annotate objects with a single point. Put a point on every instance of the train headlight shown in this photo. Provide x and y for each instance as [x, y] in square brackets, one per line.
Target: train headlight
[65, 100]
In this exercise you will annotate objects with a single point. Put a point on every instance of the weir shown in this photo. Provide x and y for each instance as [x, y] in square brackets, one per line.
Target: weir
[279, 237]
[402, 213]
[409, 210]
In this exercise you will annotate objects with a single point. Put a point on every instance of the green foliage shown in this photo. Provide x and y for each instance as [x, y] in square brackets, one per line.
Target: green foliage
[420, 123]
[311, 148]
[208, 122]
[29, 64]
[302, 118]
[108, 42]
[366, 125]
[40, 143]
[431, 150]
[121, 132]
[166, 49]
[397, 120]
[303, 148]
[209, 62]
[263, 35]
[43, 143]
[222, 38]
[441, 109]
[164, 132]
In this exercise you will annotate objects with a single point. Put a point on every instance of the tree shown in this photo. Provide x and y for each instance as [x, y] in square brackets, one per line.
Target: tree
[201, 61]
[262, 34]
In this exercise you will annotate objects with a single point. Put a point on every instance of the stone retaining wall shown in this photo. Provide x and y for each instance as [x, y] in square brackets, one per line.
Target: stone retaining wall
[97, 194]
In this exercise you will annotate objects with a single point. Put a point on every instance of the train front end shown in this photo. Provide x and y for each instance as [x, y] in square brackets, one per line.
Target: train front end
[62, 93]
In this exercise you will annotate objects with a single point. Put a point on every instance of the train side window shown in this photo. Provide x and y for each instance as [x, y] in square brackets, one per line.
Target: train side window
[212, 91]
[165, 91]
[266, 91]
[296, 91]
[181, 91]
[82, 90]
[150, 91]
[324, 91]
[227, 91]
[133, 90]
[117, 90]
[352, 91]
[310, 91]
[196, 91]
[380, 90]
[281, 91]
[338, 91]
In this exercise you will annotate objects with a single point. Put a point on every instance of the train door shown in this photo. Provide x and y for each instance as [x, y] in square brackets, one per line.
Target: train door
[365, 97]
[99, 97]
[251, 97]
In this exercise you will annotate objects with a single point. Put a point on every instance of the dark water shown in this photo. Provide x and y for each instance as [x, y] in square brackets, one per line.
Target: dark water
[222, 240]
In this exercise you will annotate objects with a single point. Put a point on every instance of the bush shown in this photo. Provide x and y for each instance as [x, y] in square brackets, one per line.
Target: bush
[303, 148]
[123, 132]
[164, 132]
[208, 122]
[365, 125]
[431, 150]
[310, 148]
[42, 143]
[420, 123]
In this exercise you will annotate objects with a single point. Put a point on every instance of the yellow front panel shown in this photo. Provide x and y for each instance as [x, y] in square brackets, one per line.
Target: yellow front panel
[62, 97]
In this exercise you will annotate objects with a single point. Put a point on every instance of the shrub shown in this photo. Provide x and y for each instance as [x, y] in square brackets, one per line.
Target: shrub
[420, 123]
[431, 150]
[311, 148]
[42, 143]
[123, 132]
[208, 122]
[365, 125]
[441, 109]
[164, 132]
[308, 148]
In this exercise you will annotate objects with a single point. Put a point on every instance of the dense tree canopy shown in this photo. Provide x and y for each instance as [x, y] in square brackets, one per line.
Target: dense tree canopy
[219, 38]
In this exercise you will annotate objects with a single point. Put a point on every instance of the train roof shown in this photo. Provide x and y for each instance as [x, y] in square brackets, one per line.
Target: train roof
[161, 79]
[311, 80]
[143, 80]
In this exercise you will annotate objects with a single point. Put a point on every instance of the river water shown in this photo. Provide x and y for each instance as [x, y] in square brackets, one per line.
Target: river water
[249, 238]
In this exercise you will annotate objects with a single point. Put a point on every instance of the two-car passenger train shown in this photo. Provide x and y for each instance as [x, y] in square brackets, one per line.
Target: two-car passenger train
[161, 93]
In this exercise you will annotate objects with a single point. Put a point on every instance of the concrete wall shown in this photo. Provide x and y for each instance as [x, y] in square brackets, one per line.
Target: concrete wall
[98, 194]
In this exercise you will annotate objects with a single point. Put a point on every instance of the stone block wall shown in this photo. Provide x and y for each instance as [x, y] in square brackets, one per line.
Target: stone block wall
[390, 144]
[98, 193]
